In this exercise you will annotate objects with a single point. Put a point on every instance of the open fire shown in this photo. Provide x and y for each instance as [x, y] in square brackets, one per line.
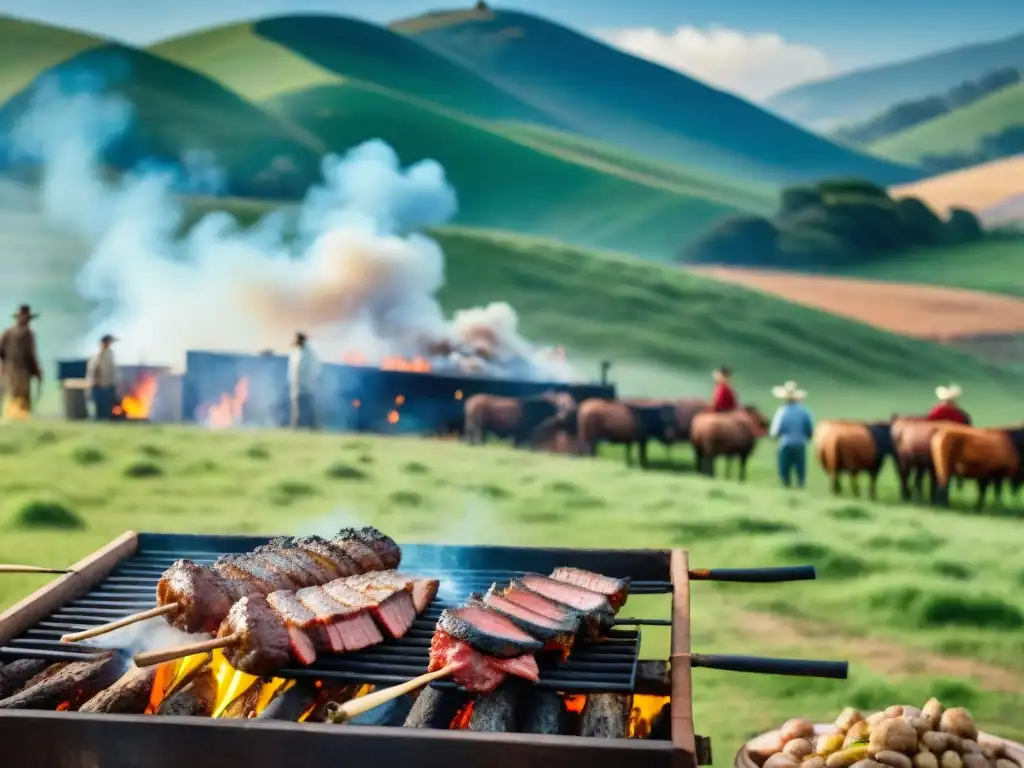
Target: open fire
[228, 411]
[390, 363]
[137, 404]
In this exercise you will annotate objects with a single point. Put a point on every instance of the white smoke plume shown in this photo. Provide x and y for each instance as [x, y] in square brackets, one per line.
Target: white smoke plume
[350, 269]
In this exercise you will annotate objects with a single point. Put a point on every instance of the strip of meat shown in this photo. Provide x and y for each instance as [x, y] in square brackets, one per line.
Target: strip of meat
[593, 622]
[487, 631]
[567, 594]
[361, 553]
[348, 628]
[476, 672]
[300, 565]
[239, 568]
[328, 555]
[389, 603]
[263, 644]
[556, 636]
[305, 635]
[384, 546]
[616, 590]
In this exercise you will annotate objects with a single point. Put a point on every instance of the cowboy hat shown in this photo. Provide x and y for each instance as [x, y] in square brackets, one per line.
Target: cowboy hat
[788, 391]
[107, 338]
[945, 394]
[25, 311]
[722, 372]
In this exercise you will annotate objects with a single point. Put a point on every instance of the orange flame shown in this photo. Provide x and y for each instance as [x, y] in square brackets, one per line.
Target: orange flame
[138, 403]
[641, 716]
[461, 720]
[15, 409]
[227, 411]
[393, 417]
[390, 363]
[574, 703]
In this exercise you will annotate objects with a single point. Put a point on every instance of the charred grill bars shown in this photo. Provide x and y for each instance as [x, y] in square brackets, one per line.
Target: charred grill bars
[121, 579]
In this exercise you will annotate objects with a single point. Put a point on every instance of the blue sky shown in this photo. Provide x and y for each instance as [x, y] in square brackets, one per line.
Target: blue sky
[842, 34]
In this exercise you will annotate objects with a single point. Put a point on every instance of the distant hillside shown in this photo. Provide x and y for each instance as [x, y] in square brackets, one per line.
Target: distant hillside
[344, 82]
[988, 129]
[27, 48]
[603, 93]
[859, 95]
[177, 110]
[982, 189]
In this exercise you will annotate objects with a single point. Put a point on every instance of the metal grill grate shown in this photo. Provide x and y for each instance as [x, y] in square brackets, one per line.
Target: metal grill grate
[608, 666]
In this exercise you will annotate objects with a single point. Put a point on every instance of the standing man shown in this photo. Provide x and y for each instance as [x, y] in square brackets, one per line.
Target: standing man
[724, 397]
[303, 372]
[101, 372]
[19, 363]
[793, 427]
[947, 409]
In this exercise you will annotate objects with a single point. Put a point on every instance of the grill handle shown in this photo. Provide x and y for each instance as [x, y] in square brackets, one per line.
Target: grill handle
[836, 670]
[756, 575]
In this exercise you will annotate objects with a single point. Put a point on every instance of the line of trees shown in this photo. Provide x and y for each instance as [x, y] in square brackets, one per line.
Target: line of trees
[1006, 143]
[834, 223]
[907, 114]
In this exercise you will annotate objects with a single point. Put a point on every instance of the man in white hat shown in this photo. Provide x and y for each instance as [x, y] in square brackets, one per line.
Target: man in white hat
[793, 427]
[101, 373]
[947, 409]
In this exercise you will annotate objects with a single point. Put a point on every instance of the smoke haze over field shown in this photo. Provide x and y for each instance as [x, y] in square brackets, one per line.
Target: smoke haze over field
[351, 269]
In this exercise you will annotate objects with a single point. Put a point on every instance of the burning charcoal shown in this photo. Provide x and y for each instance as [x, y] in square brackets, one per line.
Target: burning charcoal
[496, 712]
[652, 677]
[16, 674]
[128, 696]
[435, 708]
[70, 687]
[391, 714]
[244, 705]
[605, 716]
[196, 699]
[292, 704]
[544, 713]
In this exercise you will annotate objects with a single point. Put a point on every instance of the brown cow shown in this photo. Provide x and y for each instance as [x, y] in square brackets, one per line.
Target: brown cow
[912, 444]
[733, 434]
[623, 423]
[853, 447]
[986, 455]
[511, 417]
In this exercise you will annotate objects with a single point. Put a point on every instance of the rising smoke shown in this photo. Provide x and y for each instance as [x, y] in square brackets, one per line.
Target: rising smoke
[351, 268]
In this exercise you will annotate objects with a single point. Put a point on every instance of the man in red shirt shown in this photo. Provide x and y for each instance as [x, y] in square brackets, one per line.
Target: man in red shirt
[723, 398]
[947, 409]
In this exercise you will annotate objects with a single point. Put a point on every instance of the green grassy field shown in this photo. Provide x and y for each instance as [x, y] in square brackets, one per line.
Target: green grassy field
[26, 49]
[993, 266]
[958, 131]
[921, 602]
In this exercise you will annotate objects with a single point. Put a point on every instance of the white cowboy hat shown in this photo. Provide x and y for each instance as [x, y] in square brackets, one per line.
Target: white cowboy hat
[945, 394]
[789, 391]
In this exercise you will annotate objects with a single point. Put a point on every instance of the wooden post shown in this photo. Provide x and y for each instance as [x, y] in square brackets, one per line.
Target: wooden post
[683, 738]
[85, 574]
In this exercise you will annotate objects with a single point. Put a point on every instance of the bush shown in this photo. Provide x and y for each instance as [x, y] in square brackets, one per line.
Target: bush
[44, 513]
[87, 455]
[143, 469]
[341, 471]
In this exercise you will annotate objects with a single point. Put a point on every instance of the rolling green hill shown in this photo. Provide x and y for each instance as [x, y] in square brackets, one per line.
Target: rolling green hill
[605, 94]
[177, 110]
[857, 96]
[960, 131]
[26, 49]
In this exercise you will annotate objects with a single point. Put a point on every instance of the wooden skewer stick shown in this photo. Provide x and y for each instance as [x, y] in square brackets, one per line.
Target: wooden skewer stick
[135, 618]
[11, 568]
[339, 713]
[181, 651]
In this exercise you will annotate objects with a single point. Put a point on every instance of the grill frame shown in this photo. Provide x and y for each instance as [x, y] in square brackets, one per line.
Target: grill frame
[119, 741]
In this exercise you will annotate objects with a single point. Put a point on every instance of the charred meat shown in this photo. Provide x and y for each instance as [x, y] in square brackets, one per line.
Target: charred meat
[555, 635]
[487, 631]
[477, 672]
[616, 590]
[263, 644]
[577, 598]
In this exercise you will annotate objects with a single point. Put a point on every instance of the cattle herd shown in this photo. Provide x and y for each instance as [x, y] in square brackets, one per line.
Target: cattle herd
[920, 450]
[556, 422]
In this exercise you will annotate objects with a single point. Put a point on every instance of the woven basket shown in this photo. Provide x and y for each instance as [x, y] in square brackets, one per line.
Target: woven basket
[756, 751]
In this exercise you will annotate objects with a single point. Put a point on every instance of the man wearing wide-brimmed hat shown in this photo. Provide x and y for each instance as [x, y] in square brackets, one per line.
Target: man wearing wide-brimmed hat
[947, 408]
[793, 427]
[19, 363]
[723, 398]
[101, 373]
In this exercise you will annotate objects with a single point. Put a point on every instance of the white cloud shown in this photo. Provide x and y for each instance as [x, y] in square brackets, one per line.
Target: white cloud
[751, 65]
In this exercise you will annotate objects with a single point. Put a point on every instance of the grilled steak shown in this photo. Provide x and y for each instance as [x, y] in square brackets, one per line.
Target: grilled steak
[263, 645]
[477, 672]
[361, 553]
[592, 623]
[236, 567]
[487, 631]
[575, 597]
[328, 555]
[299, 562]
[423, 593]
[384, 546]
[391, 597]
[556, 635]
[348, 628]
[203, 596]
[304, 634]
[616, 590]
[520, 595]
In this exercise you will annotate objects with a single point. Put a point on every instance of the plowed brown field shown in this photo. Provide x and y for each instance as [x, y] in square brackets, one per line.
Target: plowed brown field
[921, 311]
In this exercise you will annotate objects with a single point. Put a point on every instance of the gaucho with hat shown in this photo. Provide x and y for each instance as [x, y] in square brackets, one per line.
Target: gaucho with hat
[19, 363]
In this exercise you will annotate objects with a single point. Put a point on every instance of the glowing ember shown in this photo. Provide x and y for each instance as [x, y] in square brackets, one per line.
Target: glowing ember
[393, 417]
[227, 411]
[574, 703]
[641, 716]
[15, 410]
[458, 394]
[390, 363]
[399, 399]
[461, 720]
[138, 403]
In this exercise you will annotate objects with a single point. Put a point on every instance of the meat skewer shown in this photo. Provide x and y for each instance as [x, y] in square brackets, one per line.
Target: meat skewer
[12, 568]
[261, 634]
[196, 598]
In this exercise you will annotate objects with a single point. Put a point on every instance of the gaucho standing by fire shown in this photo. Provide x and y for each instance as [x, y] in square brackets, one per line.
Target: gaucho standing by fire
[303, 373]
[19, 363]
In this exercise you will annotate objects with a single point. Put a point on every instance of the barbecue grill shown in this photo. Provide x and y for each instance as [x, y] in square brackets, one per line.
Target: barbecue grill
[120, 579]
